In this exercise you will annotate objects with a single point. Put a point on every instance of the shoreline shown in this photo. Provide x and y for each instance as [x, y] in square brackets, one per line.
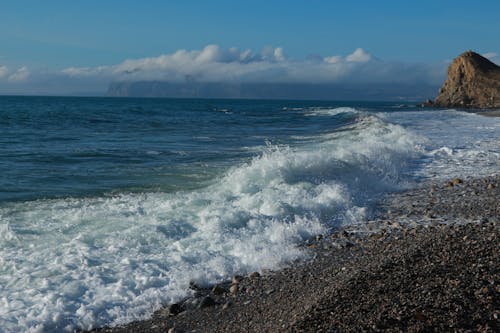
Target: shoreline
[427, 262]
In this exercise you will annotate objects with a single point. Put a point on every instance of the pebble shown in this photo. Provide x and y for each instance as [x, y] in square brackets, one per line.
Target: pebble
[233, 289]
[336, 245]
[255, 275]
[396, 225]
[270, 291]
[206, 302]
[218, 290]
[174, 330]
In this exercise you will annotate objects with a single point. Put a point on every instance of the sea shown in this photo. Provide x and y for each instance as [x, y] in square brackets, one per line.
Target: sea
[110, 207]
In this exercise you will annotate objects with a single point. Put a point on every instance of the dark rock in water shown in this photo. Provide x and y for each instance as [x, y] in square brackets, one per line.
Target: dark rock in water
[175, 309]
[428, 102]
[473, 82]
[194, 286]
[237, 279]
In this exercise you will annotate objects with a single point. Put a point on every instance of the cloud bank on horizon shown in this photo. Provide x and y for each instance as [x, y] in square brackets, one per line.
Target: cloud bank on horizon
[216, 64]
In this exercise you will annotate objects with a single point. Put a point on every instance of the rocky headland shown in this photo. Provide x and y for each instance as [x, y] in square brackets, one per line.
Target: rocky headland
[428, 263]
[473, 82]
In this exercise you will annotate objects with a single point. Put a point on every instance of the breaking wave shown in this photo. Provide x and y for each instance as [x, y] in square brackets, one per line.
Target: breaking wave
[86, 262]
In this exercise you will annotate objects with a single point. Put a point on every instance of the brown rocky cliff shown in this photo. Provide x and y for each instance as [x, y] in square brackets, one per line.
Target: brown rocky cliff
[473, 82]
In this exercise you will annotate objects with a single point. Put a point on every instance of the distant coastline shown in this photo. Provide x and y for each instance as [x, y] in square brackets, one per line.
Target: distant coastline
[282, 91]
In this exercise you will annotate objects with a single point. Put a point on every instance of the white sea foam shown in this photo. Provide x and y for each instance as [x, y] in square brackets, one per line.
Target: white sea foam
[330, 111]
[85, 262]
[458, 144]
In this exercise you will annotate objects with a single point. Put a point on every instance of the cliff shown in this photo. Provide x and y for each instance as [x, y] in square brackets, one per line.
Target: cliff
[473, 82]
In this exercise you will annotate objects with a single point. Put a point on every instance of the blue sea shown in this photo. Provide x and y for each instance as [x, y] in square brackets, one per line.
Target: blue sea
[109, 207]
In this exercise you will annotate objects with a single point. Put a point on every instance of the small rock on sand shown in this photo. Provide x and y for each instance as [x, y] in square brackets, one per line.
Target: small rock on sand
[233, 289]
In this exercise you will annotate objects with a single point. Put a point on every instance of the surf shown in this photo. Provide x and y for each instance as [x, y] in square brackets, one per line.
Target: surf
[80, 263]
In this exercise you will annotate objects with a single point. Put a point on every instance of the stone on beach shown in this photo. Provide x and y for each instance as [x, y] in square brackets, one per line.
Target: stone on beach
[218, 290]
[205, 302]
[233, 289]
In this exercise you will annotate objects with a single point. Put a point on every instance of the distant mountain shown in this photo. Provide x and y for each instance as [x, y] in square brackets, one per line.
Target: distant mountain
[306, 91]
[473, 82]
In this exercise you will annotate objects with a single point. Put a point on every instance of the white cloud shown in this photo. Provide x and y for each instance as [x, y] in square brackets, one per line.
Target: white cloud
[20, 75]
[359, 55]
[492, 56]
[84, 71]
[216, 64]
[3, 71]
[279, 54]
[333, 59]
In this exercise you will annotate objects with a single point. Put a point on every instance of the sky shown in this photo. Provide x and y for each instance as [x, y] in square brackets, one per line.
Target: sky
[61, 47]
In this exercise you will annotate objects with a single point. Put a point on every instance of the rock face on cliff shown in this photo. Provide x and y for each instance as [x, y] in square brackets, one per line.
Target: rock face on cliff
[473, 82]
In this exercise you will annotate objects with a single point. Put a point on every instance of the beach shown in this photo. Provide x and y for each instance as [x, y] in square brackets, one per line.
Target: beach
[429, 262]
[125, 214]
[177, 166]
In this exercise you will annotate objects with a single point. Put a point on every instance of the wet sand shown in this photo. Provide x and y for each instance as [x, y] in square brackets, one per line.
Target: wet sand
[428, 262]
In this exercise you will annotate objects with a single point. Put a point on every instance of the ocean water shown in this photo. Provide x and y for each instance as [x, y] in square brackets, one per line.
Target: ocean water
[110, 207]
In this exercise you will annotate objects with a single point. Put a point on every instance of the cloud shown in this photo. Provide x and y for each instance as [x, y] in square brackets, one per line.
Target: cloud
[492, 56]
[215, 64]
[20, 75]
[333, 59]
[212, 63]
[233, 65]
[359, 55]
[84, 71]
[3, 71]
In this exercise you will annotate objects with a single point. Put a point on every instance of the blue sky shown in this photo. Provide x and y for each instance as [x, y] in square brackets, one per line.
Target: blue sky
[54, 35]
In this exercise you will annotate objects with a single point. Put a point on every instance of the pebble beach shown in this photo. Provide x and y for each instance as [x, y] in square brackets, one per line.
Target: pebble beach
[427, 262]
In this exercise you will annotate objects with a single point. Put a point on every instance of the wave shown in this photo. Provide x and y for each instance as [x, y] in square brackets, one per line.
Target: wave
[86, 262]
[331, 112]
